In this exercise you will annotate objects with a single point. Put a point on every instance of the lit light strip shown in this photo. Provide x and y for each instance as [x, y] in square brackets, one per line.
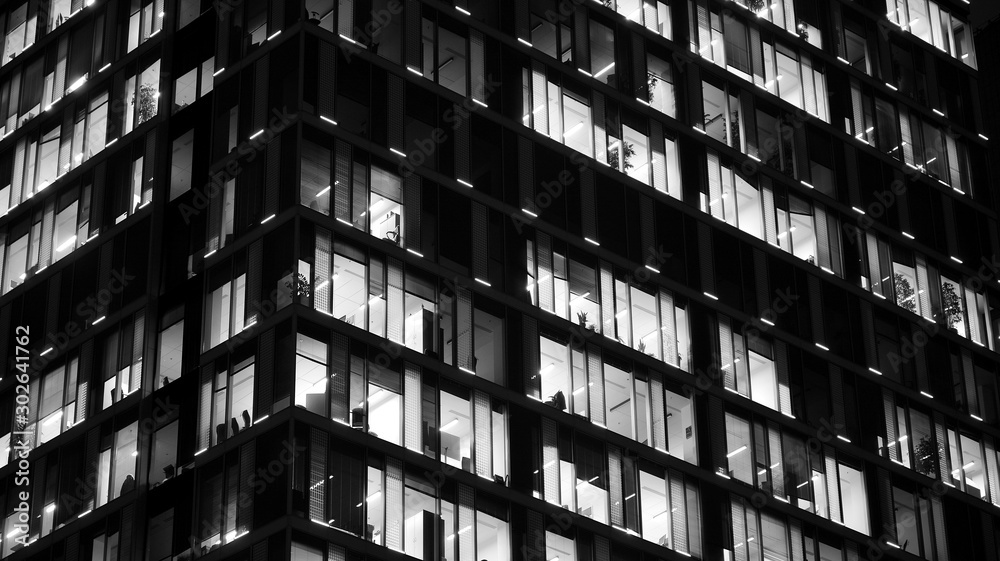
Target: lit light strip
[767, 321]
[976, 417]
[341, 220]
[346, 38]
[415, 71]
[480, 103]
[464, 11]
[324, 191]
[47, 351]
[654, 269]
[806, 184]
[328, 120]
[256, 134]
[925, 394]
[858, 210]
[527, 43]
[466, 183]
[217, 72]
[397, 152]
[983, 136]
[105, 67]
[712, 296]
[210, 253]
[275, 34]
[591, 241]
[266, 219]
[464, 369]
[481, 281]
[529, 213]
[417, 253]
[844, 438]
[956, 259]
[909, 235]
[873, 371]
[822, 346]
[938, 112]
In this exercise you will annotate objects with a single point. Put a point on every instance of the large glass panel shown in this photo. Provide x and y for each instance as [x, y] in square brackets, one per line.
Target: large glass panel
[375, 502]
[386, 207]
[452, 63]
[555, 373]
[349, 290]
[645, 331]
[316, 185]
[680, 427]
[456, 431]
[17, 263]
[385, 404]
[602, 52]
[738, 449]
[618, 400]
[310, 374]
[660, 86]
[492, 537]
[489, 344]
[853, 499]
[558, 547]
[763, 383]
[973, 472]
[654, 509]
[714, 110]
[421, 524]
[579, 131]
[125, 460]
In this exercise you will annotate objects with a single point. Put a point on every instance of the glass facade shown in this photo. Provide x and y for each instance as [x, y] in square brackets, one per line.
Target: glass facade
[376, 280]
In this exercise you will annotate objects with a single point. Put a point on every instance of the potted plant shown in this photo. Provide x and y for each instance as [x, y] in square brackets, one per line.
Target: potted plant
[628, 150]
[145, 102]
[581, 318]
[299, 287]
[952, 306]
[927, 456]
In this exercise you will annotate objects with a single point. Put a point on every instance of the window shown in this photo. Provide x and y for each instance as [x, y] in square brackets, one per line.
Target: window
[738, 449]
[171, 350]
[226, 399]
[385, 403]
[602, 53]
[316, 184]
[164, 457]
[182, 156]
[660, 86]
[224, 312]
[456, 430]
[386, 209]
[117, 464]
[302, 552]
[310, 374]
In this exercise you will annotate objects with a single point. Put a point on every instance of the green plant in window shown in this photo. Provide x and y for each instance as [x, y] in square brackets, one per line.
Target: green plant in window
[952, 305]
[904, 293]
[145, 102]
[581, 317]
[756, 5]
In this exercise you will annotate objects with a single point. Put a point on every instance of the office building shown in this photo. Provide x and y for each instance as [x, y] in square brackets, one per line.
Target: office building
[555, 280]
